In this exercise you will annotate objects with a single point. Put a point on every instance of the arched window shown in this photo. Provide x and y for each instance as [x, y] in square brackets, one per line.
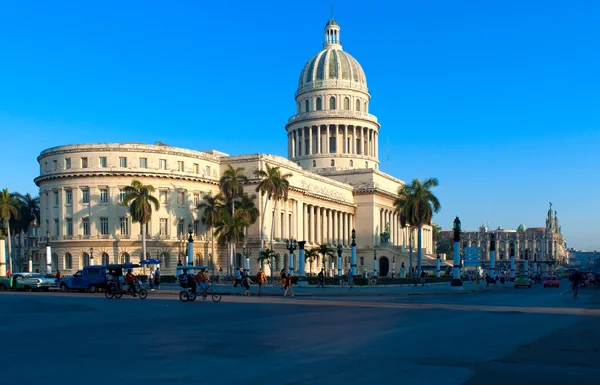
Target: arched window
[365, 109]
[166, 258]
[346, 103]
[314, 163]
[357, 105]
[332, 162]
[199, 260]
[332, 103]
[68, 261]
[125, 258]
[85, 260]
[319, 104]
[351, 163]
[104, 259]
[306, 105]
[54, 261]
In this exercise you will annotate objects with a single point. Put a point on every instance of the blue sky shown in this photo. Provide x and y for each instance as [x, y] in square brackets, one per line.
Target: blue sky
[498, 99]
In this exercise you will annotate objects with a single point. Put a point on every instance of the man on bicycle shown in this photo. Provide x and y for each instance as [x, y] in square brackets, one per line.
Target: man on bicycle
[130, 280]
[203, 282]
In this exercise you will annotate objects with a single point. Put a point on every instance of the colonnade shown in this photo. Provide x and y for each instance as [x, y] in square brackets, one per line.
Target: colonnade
[399, 235]
[347, 139]
[325, 225]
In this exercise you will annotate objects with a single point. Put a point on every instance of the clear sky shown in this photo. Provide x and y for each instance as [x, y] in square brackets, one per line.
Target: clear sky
[499, 99]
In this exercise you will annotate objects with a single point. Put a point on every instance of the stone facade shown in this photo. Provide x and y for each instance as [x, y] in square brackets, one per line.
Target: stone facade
[335, 187]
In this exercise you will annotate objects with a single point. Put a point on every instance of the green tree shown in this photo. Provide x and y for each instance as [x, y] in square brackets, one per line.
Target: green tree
[265, 256]
[417, 203]
[9, 208]
[229, 229]
[232, 186]
[29, 213]
[275, 186]
[247, 210]
[140, 200]
[209, 208]
[310, 256]
[327, 252]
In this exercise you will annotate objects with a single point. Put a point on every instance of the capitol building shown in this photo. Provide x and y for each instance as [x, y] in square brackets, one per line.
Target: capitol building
[335, 186]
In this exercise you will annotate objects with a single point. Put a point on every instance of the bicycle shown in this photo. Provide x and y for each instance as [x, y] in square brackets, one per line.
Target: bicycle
[112, 292]
[189, 295]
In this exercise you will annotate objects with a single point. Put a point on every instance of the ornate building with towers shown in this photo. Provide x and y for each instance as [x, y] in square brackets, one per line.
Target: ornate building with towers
[336, 185]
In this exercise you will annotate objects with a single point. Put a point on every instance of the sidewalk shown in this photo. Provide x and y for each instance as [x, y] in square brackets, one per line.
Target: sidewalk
[338, 291]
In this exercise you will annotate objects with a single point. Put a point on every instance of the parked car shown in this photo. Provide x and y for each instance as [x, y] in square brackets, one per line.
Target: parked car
[552, 281]
[27, 281]
[91, 278]
[522, 280]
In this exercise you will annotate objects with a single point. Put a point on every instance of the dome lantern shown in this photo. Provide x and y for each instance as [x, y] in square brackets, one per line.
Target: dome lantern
[332, 35]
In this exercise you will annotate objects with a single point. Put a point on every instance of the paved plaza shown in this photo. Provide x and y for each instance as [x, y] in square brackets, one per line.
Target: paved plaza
[490, 337]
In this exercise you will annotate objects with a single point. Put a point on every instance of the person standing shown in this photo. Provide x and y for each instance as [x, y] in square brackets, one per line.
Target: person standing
[261, 279]
[246, 284]
[415, 276]
[238, 277]
[321, 278]
[157, 278]
[57, 276]
[283, 280]
[288, 285]
[151, 278]
[350, 278]
[575, 279]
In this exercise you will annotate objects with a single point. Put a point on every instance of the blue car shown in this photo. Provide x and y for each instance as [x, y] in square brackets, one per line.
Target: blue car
[91, 278]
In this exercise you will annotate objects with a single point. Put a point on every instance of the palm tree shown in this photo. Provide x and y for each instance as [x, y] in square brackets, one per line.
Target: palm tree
[232, 186]
[265, 256]
[310, 256]
[327, 252]
[417, 203]
[229, 229]
[436, 234]
[140, 200]
[276, 187]
[29, 213]
[247, 210]
[9, 208]
[210, 207]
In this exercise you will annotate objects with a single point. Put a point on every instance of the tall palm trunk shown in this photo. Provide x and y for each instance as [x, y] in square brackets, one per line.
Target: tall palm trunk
[262, 224]
[143, 242]
[212, 238]
[410, 237]
[273, 232]
[230, 263]
[10, 262]
[419, 253]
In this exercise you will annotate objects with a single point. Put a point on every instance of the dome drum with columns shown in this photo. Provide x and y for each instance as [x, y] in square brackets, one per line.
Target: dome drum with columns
[335, 185]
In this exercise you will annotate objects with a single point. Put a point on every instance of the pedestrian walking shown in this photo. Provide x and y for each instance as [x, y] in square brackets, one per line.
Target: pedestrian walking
[415, 276]
[321, 276]
[350, 278]
[575, 279]
[238, 278]
[288, 285]
[157, 278]
[246, 282]
[261, 279]
[151, 278]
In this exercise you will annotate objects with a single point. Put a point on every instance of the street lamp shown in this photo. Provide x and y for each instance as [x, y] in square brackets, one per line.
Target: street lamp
[190, 250]
[291, 245]
[456, 281]
[91, 256]
[339, 260]
[353, 253]
[374, 261]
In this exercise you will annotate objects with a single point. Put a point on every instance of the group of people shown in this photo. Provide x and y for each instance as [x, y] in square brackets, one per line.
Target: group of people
[111, 278]
[194, 282]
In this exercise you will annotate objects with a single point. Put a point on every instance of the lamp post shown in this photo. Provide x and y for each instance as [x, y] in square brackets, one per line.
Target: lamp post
[48, 253]
[374, 261]
[353, 255]
[2, 250]
[437, 266]
[402, 270]
[291, 245]
[190, 250]
[339, 260]
[28, 255]
[247, 254]
[526, 263]
[301, 274]
[493, 255]
[456, 281]
[512, 265]
[91, 256]
[393, 266]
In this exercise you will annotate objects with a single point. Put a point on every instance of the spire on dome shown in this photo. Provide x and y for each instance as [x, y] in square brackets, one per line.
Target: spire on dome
[332, 34]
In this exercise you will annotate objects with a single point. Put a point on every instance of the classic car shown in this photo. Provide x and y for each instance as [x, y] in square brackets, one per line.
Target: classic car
[27, 282]
[552, 281]
[522, 280]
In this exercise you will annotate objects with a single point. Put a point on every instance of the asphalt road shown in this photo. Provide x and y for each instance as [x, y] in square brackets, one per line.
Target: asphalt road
[497, 337]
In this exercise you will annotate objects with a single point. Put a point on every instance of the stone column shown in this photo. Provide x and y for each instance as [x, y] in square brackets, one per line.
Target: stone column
[310, 141]
[376, 145]
[345, 147]
[301, 269]
[311, 224]
[2, 256]
[318, 238]
[330, 226]
[353, 140]
[327, 133]
[345, 229]
[304, 219]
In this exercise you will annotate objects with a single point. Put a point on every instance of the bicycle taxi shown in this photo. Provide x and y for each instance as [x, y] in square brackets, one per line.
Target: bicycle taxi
[115, 285]
[191, 287]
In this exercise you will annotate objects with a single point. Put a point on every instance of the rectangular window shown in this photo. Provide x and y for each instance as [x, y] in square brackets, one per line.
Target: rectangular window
[122, 162]
[124, 225]
[85, 226]
[163, 226]
[69, 197]
[196, 228]
[143, 162]
[162, 164]
[196, 168]
[56, 198]
[70, 227]
[122, 194]
[85, 196]
[162, 197]
[54, 165]
[102, 162]
[362, 261]
[84, 163]
[180, 197]
[104, 225]
[103, 195]
[46, 166]
[196, 199]
[180, 166]
[207, 170]
[180, 228]
[56, 227]
[67, 163]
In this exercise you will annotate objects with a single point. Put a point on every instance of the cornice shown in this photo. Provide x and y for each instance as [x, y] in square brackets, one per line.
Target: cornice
[91, 174]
